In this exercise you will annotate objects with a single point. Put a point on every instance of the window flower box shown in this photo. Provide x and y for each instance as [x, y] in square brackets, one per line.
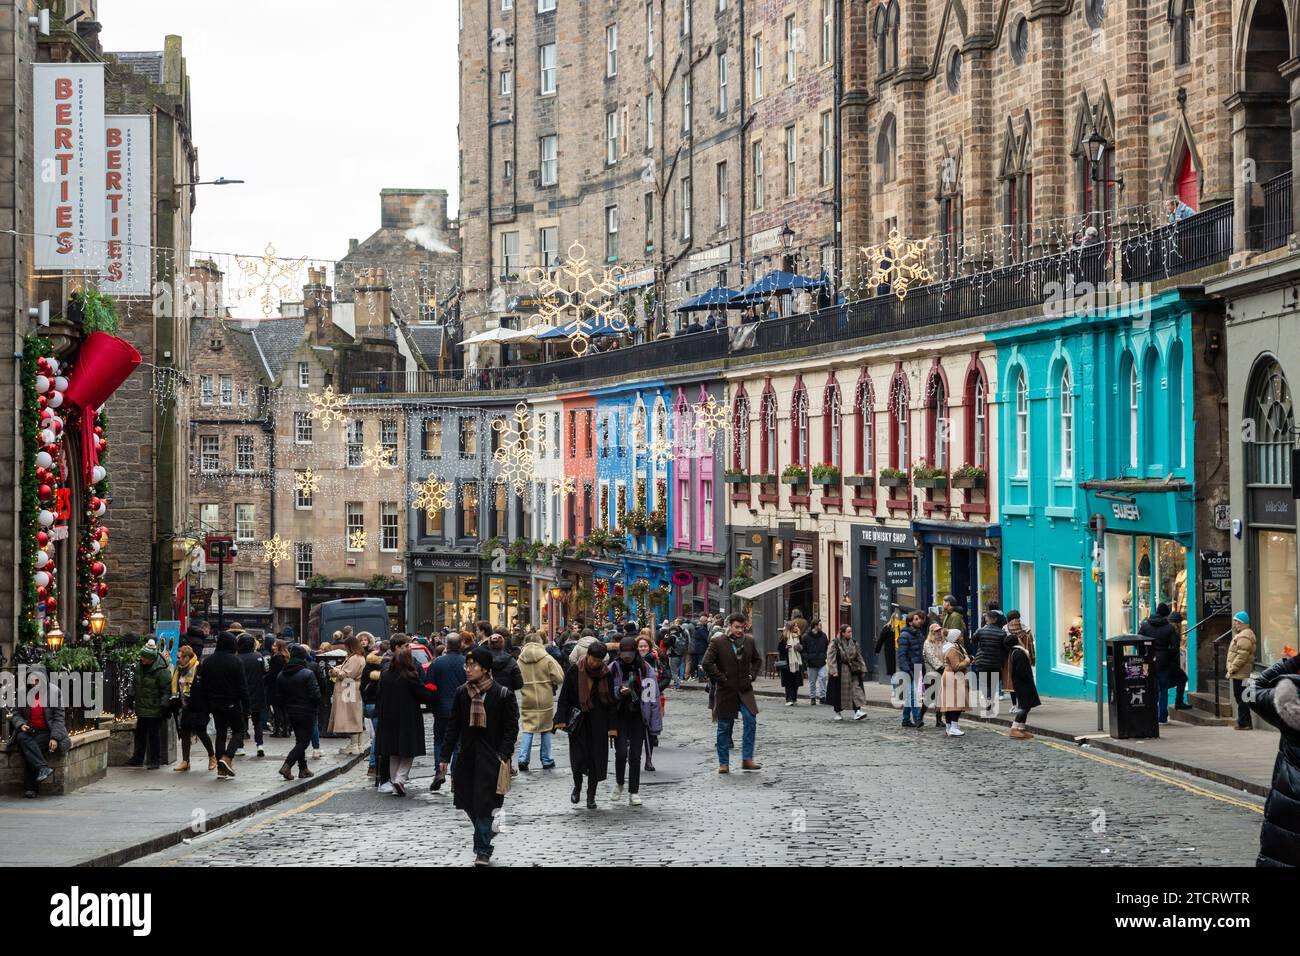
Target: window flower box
[859, 481]
[935, 482]
[970, 476]
[795, 475]
[925, 476]
[826, 474]
[767, 479]
[893, 479]
[736, 478]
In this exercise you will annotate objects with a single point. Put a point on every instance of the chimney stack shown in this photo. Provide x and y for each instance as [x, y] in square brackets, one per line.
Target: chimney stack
[317, 306]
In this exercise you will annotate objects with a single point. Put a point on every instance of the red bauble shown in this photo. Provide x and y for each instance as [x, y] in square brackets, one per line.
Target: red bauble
[101, 589]
[51, 606]
[52, 449]
[99, 432]
[43, 364]
[42, 538]
[56, 425]
[44, 491]
[98, 569]
[41, 400]
[46, 412]
[103, 443]
[41, 594]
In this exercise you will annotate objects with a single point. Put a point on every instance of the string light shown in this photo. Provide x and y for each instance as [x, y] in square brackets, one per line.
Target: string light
[275, 550]
[328, 406]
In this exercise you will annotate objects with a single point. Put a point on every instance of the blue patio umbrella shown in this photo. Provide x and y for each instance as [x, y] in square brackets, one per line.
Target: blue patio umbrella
[776, 283]
[718, 298]
[569, 328]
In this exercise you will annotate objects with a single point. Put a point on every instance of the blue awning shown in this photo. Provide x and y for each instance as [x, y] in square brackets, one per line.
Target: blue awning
[778, 282]
[569, 328]
[713, 299]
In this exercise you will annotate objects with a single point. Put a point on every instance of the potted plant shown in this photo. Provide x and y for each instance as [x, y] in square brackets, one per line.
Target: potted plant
[598, 538]
[893, 477]
[925, 476]
[743, 577]
[656, 524]
[734, 476]
[969, 476]
[490, 546]
[826, 474]
[795, 475]
[859, 481]
[635, 522]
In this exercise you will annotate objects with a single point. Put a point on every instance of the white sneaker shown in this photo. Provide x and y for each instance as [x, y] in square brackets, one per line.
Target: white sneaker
[837, 716]
[634, 800]
[240, 752]
[616, 794]
[858, 714]
[386, 787]
[789, 703]
[955, 731]
[315, 755]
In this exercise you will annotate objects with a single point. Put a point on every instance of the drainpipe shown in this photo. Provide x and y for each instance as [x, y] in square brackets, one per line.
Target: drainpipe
[268, 426]
[20, 323]
[837, 263]
[487, 89]
[740, 147]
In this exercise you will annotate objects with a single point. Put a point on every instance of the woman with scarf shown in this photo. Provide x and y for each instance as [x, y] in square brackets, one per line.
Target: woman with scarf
[484, 726]
[664, 675]
[193, 717]
[845, 665]
[932, 662]
[954, 694]
[1025, 638]
[399, 715]
[636, 714]
[1024, 694]
[789, 661]
[586, 711]
[345, 705]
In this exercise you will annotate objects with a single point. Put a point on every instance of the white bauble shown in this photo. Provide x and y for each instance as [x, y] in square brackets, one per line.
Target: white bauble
[43, 459]
[94, 547]
[54, 365]
[98, 474]
[60, 383]
[56, 400]
[103, 507]
[42, 384]
[42, 558]
[41, 578]
[46, 518]
[47, 436]
[94, 600]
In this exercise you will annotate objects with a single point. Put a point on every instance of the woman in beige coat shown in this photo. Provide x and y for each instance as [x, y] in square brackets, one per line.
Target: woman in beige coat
[954, 694]
[1241, 661]
[542, 675]
[345, 705]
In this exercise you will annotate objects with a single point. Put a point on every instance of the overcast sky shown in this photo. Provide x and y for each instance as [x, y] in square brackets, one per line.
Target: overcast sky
[318, 104]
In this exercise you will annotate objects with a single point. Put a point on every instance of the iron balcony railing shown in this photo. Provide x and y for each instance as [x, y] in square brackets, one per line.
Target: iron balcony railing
[1191, 243]
[1276, 224]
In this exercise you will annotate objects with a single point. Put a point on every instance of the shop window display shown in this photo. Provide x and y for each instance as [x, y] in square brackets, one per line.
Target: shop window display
[1278, 618]
[942, 576]
[1068, 629]
[990, 584]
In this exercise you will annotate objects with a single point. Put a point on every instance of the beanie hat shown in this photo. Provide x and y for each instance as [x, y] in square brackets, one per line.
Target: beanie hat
[150, 649]
[481, 656]
[954, 635]
[1243, 617]
[1162, 609]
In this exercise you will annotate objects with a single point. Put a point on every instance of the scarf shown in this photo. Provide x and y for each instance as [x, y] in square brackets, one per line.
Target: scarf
[792, 655]
[1024, 637]
[586, 677]
[477, 688]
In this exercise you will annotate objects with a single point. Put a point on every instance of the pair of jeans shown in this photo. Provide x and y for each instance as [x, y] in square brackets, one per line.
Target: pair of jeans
[627, 750]
[748, 734]
[315, 733]
[1243, 708]
[482, 834]
[1163, 685]
[187, 734]
[526, 746]
[679, 667]
[369, 711]
[440, 725]
[148, 741]
[301, 724]
[816, 676]
[34, 745]
[229, 721]
[911, 709]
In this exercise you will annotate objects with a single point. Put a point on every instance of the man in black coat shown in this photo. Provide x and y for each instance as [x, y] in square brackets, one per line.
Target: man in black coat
[1275, 697]
[700, 647]
[447, 673]
[255, 676]
[225, 688]
[990, 646]
[484, 726]
[298, 693]
[815, 643]
[1165, 641]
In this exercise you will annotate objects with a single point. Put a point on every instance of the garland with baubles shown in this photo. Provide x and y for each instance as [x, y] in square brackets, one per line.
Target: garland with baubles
[45, 492]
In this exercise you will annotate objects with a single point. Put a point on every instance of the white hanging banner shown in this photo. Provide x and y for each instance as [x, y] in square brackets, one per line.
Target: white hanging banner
[127, 187]
[68, 149]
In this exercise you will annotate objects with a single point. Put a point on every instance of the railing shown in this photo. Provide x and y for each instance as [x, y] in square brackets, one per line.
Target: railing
[417, 380]
[1276, 225]
[1182, 246]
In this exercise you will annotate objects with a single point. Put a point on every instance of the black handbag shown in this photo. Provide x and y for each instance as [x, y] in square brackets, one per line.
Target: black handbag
[574, 723]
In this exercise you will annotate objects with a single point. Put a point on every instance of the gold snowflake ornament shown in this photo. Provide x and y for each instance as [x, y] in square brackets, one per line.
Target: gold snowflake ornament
[514, 454]
[430, 495]
[276, 550]
[328, 406]
[306, 482]
[564, 486]
[357, 540]
[577, 298]
[898, 264]
[377, 457]
[711, 416]
[269, 277]
[660, 449]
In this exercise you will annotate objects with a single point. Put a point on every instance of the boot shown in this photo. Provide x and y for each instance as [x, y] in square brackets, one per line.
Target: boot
[304, 771]
[285, 771]
[750, 765]
[1019, 734]
[182, 766]
[212, 762]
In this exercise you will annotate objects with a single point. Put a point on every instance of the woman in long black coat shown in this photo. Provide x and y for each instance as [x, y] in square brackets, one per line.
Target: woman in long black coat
[585, 709]
[483, 748]
[1026, 691]
[1277, 700]
[401, 718]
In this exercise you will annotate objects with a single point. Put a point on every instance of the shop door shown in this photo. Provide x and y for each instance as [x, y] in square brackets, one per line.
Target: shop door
[1187, 180]
[962, 560]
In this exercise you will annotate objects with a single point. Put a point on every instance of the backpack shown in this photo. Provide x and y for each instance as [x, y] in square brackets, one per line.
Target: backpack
[681, 643]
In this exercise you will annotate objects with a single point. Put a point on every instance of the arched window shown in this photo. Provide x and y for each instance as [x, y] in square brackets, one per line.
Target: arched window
[638, 430]
[1269, 406]
[892, 26]
[1022, 425]
[900, 444]
[799, 421]
[887, 149]
[1150, 391]
[833, 432]
[768, 425]
[977, 420]
[884, 33]
[1180, 23]
[1067, 423]
[1177, 419]
[683, 440]
[660, 429]
[937, 406]
[1134, 411]
[740, 433]
[864, 404]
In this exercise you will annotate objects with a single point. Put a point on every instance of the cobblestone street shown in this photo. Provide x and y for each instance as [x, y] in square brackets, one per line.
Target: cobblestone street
[864, 793]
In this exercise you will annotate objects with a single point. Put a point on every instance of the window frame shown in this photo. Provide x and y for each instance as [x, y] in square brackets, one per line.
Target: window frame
[543, 71]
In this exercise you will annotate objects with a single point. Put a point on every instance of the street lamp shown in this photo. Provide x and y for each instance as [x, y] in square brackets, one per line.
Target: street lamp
[786, 236]
[97, 622]
[219, 181]
[53, 636]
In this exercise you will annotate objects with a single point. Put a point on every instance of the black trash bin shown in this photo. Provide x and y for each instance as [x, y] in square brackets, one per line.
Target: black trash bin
[1131, 661]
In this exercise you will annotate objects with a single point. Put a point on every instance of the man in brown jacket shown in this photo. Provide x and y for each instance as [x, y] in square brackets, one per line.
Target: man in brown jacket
[1241, 661]
[732, 662]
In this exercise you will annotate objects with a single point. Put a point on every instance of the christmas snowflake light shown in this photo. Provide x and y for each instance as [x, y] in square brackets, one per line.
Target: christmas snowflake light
[378, 457]
[711, 416]
[357, 540]
[430, 495]
[660, 450]
[328, 406]
[576, 298]
[274, 278]
[514, 455]
[276, 550]
[306, 483]
[898, 263]
[564, 486]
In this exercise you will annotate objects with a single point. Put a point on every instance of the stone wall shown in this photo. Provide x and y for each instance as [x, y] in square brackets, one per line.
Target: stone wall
[84, 763]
